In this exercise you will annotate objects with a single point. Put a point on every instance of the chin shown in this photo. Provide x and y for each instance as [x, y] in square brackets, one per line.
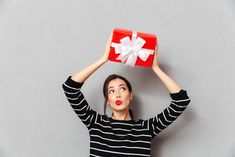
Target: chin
[120, 108]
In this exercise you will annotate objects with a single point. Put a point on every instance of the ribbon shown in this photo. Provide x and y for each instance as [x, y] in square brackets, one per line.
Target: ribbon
[131, 49]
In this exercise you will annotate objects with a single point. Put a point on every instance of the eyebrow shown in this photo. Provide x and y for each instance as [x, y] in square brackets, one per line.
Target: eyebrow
[119, 86]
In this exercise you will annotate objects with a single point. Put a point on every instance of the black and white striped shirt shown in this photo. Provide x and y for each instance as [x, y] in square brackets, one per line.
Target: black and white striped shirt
[121, 138]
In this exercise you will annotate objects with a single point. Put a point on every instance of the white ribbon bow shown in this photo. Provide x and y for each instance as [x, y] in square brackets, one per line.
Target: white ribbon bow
[129, 50]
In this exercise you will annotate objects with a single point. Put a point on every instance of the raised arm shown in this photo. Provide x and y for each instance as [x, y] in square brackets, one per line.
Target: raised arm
[179, 102]
[171, 85]
[72, 89]
[85, 73]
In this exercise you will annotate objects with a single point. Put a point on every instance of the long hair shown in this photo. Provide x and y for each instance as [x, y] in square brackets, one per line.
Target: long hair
[105, 90]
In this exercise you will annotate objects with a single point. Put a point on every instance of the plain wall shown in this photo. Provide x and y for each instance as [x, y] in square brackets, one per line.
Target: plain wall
[43, 42]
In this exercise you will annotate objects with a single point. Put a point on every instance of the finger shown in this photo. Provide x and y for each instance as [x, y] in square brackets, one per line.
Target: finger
[156, 48]
[110, 37]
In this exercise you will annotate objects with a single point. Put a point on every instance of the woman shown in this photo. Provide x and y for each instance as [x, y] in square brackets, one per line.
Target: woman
[120, 135]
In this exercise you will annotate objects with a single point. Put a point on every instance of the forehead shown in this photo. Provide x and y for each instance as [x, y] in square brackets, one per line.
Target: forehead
[116, 82]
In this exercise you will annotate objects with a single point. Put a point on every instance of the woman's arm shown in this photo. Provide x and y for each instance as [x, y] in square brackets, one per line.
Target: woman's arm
[179, 102]
[171, 85]
[72, 89]
[85, 73]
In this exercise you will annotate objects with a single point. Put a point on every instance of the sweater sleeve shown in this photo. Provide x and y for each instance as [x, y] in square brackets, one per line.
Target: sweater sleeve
[78, 102]
[178, 104]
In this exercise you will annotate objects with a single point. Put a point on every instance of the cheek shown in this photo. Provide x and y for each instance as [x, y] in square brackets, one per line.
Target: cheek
[111, 98]
[127, 96]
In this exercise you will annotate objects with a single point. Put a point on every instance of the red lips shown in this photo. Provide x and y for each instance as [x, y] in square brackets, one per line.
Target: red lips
[118, 102]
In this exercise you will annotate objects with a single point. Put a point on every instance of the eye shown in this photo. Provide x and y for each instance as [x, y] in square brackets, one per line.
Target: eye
[123, 88]
[111, 91]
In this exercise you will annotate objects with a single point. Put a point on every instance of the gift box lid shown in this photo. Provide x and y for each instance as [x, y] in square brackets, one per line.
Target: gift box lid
[150, 43]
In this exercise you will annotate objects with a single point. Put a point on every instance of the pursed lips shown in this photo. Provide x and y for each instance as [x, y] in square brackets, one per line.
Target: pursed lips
[118, 102]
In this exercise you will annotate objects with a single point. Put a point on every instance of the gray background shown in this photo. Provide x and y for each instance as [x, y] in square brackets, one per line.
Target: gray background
[42, 42]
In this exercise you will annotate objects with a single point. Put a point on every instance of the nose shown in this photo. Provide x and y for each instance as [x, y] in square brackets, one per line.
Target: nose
[118, 94]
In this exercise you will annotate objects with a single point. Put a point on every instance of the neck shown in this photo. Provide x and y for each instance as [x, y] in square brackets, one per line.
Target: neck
[121, 116]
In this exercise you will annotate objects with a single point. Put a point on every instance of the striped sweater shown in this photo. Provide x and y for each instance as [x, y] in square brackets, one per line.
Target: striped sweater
[121, 138]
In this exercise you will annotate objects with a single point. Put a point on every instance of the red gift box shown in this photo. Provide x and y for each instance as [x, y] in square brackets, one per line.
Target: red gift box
[132, 48]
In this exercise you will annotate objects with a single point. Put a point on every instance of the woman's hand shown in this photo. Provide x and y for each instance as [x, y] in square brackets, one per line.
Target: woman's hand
[107, 48]
[171, 85]
[155, 59]
[86, 72]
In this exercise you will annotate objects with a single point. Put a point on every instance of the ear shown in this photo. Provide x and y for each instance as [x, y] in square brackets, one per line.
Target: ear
[131, 96]
[107, 103]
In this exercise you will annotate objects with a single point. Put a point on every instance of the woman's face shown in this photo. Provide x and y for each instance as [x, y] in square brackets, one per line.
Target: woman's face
[119, 96]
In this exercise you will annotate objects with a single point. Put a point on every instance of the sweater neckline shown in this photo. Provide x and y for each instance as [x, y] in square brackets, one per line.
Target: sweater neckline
[123, 121]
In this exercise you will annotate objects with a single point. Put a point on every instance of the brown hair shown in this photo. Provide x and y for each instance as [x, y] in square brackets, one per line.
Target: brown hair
[105, 90]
